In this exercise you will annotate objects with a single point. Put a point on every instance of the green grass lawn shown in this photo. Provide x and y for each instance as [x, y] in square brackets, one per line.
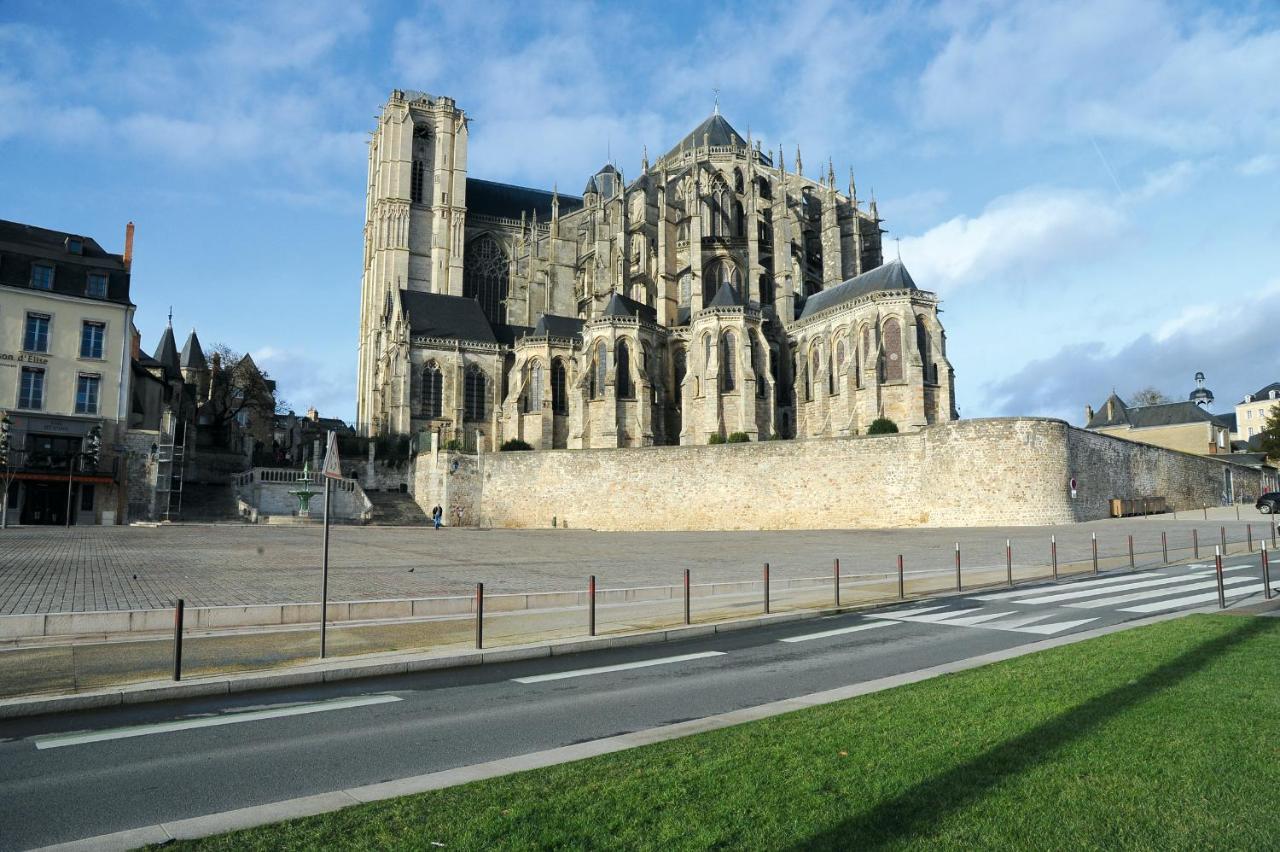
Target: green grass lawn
[1163, 737]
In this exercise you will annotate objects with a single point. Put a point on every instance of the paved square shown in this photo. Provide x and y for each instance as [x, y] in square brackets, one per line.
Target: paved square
[45, 569]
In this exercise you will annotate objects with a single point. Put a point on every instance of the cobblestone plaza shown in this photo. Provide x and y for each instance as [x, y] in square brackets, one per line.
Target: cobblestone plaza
[45, 569]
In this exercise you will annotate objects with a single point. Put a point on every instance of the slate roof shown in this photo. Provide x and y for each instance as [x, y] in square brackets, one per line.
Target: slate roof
[438, 315]
[726, 297]
[891, 276]
[1147, 416]
[21, 246]
[620, 306]
[192, 354]
[1264, 393]
[505, 200]
[716, 127]
[167, 355]
[550, 325]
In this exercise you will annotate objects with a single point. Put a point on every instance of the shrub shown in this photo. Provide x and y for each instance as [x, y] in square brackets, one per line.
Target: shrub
[515, 444]
[739, 438]
[882, 426]
[453, 445]
[716, 439]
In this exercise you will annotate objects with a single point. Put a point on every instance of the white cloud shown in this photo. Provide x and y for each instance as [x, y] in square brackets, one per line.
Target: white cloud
[1017, 233]
[1133, 70]
[304, 381]
[1263, 164]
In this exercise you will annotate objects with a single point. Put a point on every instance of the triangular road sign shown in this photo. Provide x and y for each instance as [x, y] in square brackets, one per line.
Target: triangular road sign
[332, 465]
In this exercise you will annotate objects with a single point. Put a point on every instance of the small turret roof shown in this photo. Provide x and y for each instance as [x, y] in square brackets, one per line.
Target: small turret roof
[892, 276]
[192, 354]
[167, 355]
[620, 306]
[726, 297]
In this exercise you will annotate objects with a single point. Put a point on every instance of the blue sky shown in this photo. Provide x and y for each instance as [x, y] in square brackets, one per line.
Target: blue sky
[1091, 186]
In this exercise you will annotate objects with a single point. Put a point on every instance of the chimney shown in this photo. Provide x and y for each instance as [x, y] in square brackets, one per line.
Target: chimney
[136, 343]
[128, 247]
[1088, 414]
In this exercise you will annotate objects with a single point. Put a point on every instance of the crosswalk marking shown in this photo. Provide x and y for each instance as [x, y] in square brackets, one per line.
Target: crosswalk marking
[839, 631]
[1103, 590]
[971, 620]
[1015, 623]
[1176, 603]
[1158, 593]
[1079, 584]
[1055, 627]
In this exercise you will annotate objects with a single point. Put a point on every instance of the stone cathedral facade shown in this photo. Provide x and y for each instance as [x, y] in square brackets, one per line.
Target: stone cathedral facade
[719, 291]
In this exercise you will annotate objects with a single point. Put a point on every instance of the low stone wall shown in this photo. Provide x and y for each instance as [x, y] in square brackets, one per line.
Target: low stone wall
[994, 472]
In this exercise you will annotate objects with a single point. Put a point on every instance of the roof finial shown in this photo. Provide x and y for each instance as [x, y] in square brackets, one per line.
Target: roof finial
[897, 241]
[717, 107]
[171, 316]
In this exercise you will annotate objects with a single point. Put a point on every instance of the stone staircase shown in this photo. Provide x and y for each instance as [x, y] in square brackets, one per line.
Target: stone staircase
[396, 509]
[207, 503]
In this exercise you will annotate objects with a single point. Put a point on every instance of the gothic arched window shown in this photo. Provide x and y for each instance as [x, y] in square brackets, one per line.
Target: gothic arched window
[533, 390]
[892, 346]
[737, 181]
[815, 372]
[766, 290]
[622, 371]
[739, 220]
[926, 355]
[706, 352]
[727, 357]
[484, 277]
[758, 365]
[432, 387]
[766, 191]
[475, 394]
[598, 368]
[559, 399]
[416, 182]
[723, 271]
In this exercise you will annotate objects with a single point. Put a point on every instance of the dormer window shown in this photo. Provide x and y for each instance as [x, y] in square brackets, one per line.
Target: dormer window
[75, 245]
[1248, 397]
[41, 277]
[1275, 394]
[96, 287]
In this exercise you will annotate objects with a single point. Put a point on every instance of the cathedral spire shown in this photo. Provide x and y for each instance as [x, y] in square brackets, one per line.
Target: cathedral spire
[555, 202]
[644, 161]
[782, 160]
[853, 189]
[799, 163]
[831, 173]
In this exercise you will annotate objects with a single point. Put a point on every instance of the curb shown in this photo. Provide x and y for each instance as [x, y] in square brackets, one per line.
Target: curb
[251, 817]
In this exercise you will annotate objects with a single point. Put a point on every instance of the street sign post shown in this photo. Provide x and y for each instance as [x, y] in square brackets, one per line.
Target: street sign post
[332, 470]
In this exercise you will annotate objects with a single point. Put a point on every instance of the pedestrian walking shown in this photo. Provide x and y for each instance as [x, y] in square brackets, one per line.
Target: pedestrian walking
[436, 514]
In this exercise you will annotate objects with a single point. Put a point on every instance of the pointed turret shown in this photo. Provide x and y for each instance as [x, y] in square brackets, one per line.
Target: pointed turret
[192, 354]
[167, 354]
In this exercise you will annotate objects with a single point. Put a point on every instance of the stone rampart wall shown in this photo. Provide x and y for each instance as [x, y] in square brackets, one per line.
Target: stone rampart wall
[1013, 471]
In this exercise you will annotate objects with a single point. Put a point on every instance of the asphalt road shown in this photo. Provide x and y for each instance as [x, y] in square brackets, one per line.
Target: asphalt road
[72, 776]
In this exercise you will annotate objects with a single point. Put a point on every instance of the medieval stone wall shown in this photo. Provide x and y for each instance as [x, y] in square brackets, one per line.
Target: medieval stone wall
[1014, 471]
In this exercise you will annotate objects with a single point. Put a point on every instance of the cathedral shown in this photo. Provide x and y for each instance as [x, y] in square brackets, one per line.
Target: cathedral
[717, 292]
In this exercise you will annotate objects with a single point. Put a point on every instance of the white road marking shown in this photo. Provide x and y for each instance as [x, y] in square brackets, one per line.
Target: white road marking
[1054, 627]
[979, 619]
[840, 631]
[1150, 594]
[60, 740]
[1104, 590]
[1078, 584]
[908, 613]
[621, 667]
[1238, 591]
[1015, 623]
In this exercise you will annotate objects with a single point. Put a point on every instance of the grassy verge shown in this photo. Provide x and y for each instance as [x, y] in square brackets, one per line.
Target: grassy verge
[1164, 737]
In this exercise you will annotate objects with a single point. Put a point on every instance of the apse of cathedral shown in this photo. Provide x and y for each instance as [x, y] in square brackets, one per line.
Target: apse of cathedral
[718, 291]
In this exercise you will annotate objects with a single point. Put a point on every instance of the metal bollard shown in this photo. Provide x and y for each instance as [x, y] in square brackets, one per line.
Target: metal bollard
[1237, 511]
[1206, 511]
[1053, 554]
[1266, 572]
[1164, 546]
[591, 606]
[1008, 562]
[1223, 531]
[1131, 565]
[1217, 563]
[177, 638]
[766, 587]
[686, 597]
[1248, 530]
[1275, 541]
[837, 582]
[958, 566]
[1195, 543]
[902, 587]
[1094, 541]
[479, 616]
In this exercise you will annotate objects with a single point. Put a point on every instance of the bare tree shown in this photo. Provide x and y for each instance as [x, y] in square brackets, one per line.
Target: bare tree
[1149, 396]
[239, 391]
